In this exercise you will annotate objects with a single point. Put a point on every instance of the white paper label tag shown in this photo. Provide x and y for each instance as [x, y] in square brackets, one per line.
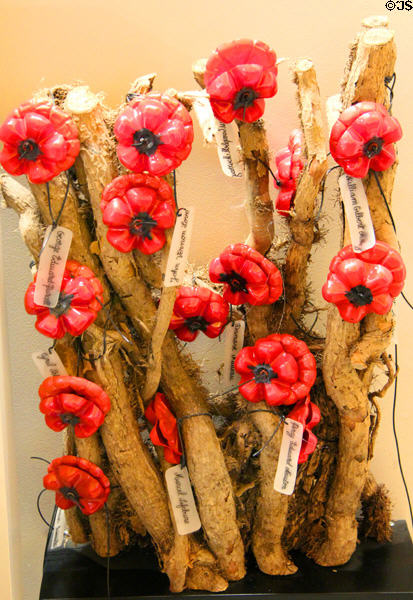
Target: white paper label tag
[206, 119]
[358, 213]
[234, 341]
[286, 474]
[182, 500]
[178, 253]
[52, 265]
[227, 144]
[48, 363]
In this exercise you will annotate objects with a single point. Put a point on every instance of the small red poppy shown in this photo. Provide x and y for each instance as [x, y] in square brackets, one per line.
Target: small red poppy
[308, 414]
[363, 139]
[198, 309]
[68, 400]
[165, 430]
[248, 276]
[77, 482]
[80, 299]
[238, 75]
[364, 283]
[289, 163]
[40, 141]
[155, 134]
[281, 366]
[138, 208]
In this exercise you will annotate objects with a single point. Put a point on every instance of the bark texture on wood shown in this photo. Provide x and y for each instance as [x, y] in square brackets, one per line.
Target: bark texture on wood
[350, 348]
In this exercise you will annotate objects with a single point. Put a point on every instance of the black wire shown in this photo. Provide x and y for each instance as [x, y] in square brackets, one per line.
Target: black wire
[406, 300]
[109, 318]
[389, 83]
[175, 194]
[108, 553]
[52, 347]
[314, 337]
[395, 436]
[277, 181]
[39, 510]
[322, 191]
[40, 458]
[55, 222]
[282, 419]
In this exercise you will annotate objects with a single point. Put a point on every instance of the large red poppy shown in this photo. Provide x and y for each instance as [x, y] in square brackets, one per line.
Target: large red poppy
[165, 430]
[68, 400]
[238, 75]
[363, 139]
[77, 482]
[80, 300]
[289, 163]
[40, 141]
[248, 276]
[138, 208]
[308, 414]
[155, 134]
[366, 282]
[281, 367]
[198, 309]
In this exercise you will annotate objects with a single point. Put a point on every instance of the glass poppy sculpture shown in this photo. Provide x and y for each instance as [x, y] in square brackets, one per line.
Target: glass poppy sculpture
[80, 300]
[198, 309]
[68, 400]
[165, 430]
[238, 76]
[363, 137]
[308, 414]
[137, 208]
[289, 163]
[40, 141]
[364, 283]
[77, 482]
[248, 277]
[155, 134]
[279, 369]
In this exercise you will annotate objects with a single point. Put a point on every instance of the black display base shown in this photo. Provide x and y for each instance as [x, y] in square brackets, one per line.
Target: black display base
[375, 570]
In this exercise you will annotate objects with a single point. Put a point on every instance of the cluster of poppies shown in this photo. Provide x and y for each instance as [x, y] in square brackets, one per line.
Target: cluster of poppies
[247, 277]
[280, 370]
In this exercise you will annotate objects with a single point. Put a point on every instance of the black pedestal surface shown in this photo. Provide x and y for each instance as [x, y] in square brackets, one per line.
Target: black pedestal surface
[382, 571]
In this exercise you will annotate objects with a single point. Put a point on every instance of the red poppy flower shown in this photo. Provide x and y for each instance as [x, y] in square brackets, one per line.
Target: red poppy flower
[364, 283]
[198, 309]
[248, 276]
[289, 164]
[68, 400]
[165, 431]
[80, 299]
[237, 77]
[77, 482]
[40, 141]
[155, 134]
[308, 414]
[363, 139]
[137, 209]
[282, 368]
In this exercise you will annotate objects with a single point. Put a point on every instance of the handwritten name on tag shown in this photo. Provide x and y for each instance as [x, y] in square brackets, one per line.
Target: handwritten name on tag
[207, 122]
[227, 143]
[182, 500]
[52, 265]
[178, 253]
[358, 213]
[286, 474]
[48, 363]
[234, 341]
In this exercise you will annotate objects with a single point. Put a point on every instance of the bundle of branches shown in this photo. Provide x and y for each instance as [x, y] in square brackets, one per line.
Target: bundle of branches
[237, 504]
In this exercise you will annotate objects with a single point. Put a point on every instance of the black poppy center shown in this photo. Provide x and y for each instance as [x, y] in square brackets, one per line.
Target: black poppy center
[69, 419]
[62, 305]
[263, 373]
[245, 98]
[145, 141]
[196, 323]
[373, 147]
[142, 225]
[360, 295]
[28, 149]
[235, 282]
[70, 494]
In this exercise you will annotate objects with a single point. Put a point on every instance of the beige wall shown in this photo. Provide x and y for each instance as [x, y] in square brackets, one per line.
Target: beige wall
[107, 44]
